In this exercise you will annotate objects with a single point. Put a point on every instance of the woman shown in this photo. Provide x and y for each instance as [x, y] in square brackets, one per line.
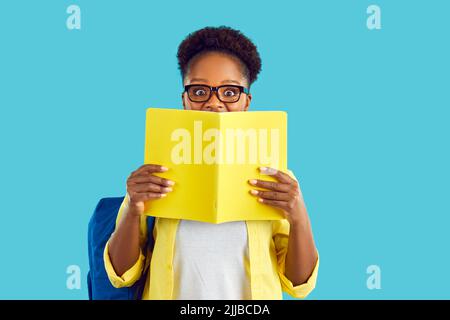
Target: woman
[196, 260]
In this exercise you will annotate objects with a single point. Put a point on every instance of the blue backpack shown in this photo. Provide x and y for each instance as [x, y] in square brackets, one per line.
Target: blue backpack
[101, 226]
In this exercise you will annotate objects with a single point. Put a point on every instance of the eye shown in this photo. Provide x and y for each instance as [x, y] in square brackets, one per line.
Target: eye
[229, 93]
[200, 92]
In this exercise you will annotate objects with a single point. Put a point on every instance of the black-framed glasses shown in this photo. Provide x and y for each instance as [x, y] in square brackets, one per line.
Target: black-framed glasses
[226, 93]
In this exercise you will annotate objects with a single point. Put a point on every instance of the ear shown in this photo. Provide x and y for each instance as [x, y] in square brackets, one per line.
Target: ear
[249, 99]
[182, 99]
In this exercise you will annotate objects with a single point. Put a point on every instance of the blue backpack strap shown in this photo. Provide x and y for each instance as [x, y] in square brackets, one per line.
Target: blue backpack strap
[140, 284]
[100, 228]
[150, 226]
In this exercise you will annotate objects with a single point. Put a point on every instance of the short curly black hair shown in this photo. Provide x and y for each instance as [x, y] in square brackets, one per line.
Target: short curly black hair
[222, 39]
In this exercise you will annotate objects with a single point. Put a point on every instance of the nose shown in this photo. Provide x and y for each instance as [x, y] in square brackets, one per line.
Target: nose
[214, 104]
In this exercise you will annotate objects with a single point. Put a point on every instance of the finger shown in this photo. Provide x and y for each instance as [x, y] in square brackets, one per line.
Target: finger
[271, 195]
[140, 179]
[149, 178]
[148, 196]
[150, 187]
[271, 185]
[274, 203]
[151, 168]
[277, 174]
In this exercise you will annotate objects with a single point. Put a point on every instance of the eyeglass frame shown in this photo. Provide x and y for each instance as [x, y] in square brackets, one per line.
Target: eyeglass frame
[242, 89]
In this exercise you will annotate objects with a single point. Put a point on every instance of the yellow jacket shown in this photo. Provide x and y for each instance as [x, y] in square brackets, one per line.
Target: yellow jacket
[267, 244]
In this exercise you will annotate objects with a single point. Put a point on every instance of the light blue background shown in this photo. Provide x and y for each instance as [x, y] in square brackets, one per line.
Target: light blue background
[368, 129]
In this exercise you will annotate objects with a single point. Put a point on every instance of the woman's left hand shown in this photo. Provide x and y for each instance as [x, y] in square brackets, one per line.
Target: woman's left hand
[284, 194]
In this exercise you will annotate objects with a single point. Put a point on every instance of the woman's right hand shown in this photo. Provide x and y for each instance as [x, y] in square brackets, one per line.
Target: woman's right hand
[143, 186]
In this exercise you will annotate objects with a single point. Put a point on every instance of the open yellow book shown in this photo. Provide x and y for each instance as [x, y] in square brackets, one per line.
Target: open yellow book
[211, 156]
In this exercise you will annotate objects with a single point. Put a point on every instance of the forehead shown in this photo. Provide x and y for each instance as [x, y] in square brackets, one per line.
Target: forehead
[215, 67]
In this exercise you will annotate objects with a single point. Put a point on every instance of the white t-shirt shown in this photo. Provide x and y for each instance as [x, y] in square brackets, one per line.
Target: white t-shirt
[211, 261]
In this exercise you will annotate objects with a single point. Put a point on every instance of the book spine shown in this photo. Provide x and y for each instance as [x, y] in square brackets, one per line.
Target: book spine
[217, 174]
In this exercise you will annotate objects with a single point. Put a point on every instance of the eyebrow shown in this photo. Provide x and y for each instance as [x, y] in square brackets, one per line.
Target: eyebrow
[224, 81]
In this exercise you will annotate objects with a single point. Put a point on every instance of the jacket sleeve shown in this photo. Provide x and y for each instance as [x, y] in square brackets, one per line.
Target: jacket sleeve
[281, 238]
[134, 273]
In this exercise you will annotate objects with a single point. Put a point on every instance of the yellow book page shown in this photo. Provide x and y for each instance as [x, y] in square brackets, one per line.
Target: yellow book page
[174, 138]
[250, 139]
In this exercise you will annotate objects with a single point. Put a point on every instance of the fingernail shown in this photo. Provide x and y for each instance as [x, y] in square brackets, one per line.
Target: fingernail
[163, 195]
[170, 182]
[164, 168]
[268, 171]
[260, 200]
[167, 189]
[255, 192]
[252, 181]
